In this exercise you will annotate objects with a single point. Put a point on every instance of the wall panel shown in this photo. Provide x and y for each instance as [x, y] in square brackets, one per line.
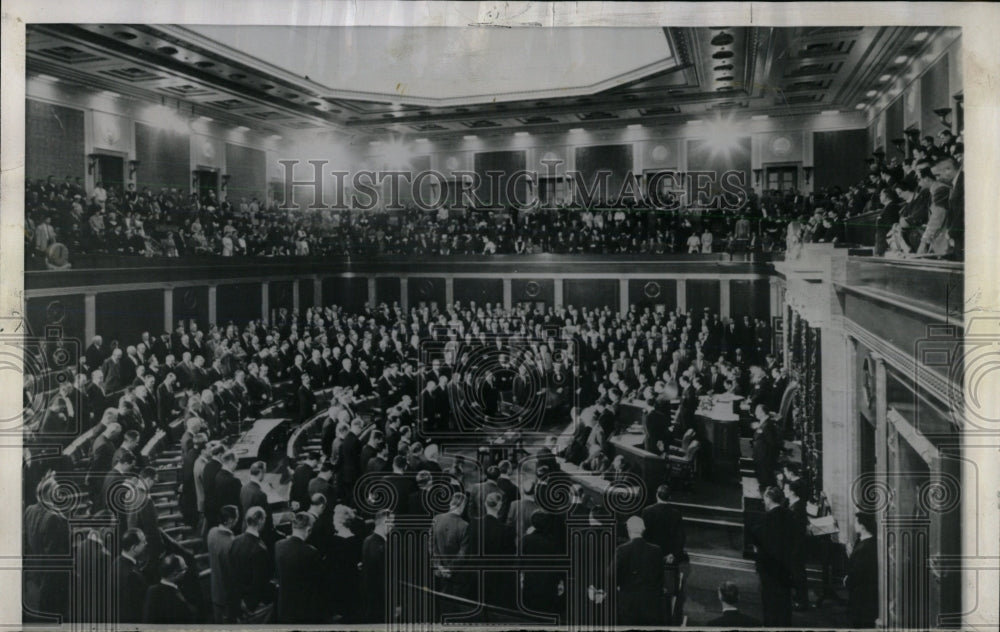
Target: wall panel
[839, 158]
[123, 316]
[425, 290]
[750, 297]
[387, 290]
[64, 312]
[238, 303]
[481, 291]
[191, 303]
[591, 293]
[351, 293]
[702, 293]
[532, 291]
[54, 142]
[247, 169]
[165, 157]
[652, 292]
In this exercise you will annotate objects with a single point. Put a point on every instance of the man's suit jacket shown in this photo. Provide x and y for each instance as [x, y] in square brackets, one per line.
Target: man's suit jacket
[772, 537]
[734, 620]
[510, 494]
[489, 536]
[252, 570]
[319, 485]
[862, 583]
[639, 575]
[350, 459]
[299, 573]
[665, 529]
[101, 459]
[208, 477]
[477, 497]
[373, 578]
[300, 485]
[166, 604]
[146, 519]
[227, 490]
[449, 535]
[251, 495]
[220, 543]
[131, 590]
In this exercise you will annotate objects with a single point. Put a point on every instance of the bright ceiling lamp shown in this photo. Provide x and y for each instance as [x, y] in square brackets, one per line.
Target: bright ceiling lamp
[721, 136]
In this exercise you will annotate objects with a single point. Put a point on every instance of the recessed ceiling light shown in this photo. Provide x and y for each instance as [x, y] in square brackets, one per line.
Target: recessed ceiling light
[276, 136]
[205, 118]
[829, 112]
[204, 64]
[921, 36]
[125, 35]
[470, 137]
[901, 59]
[759, 117]
[722, 39]
[243, 128]
[722, 54]
[635, 126]
[885, 78]
[422, 140]
[167, 50]
[695, 122]
[375, 142]
[521, 134]
[860, 106]
[871, 93]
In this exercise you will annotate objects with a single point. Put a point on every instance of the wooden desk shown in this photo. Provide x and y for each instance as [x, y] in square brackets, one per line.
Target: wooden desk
[594, 485]
[254, 444]
[651, 467]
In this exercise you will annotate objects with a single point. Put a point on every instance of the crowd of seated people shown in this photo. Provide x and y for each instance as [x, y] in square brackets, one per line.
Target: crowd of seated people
[300, 564]
[917, 203]
[170, 223]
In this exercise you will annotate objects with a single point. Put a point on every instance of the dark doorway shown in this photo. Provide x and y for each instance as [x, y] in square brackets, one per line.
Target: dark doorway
[111, 173]
[208, 185]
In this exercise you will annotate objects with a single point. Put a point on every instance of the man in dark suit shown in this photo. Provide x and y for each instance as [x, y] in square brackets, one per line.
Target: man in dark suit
[731, 617]
[322, 483]
[402, 484]
[350, 456]
[450, 538]
[479, 492]
[540, 588]
[164, 602]
[208, 476]
[862, 574]
[798, 532]
[766, 449]
[130, 444]
[251, 565]
[252, 494]
[145, 518]
[101, 460]
[372, 448]
[771, 538]
[297, 565]
[130, 582]
[373, 586]
[227, 486]
[305, 400]
[639, 576]
[490, 395]
[507, 488]
[166, 401]
[665, 527]
[488, 534]
[304, 472]
[219, 545]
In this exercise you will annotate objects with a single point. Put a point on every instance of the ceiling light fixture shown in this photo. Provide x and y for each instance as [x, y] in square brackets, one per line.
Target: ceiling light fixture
[921, 36]
[243, 128]
[871, 93]
[885, 78]
[860, 106]
[901, 59]
[576, 130]
[421, 140]
[521, 133]
[829, 112]
[635, 126]
[470, 137]
[695, 122]
[759, 117]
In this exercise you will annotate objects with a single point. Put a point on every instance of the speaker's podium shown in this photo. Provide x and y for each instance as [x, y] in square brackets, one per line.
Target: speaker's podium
[257, 443]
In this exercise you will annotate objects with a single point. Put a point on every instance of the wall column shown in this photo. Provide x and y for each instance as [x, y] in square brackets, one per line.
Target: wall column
[881, 472]
[724, 308]
[404, 294]
[682, 300]
[265, 301]
[295, 295]
[89, 317]
[168, 309]
[372, 299]
[213, 316]
[777, 309]
[318, 292]
[623, 296]
[508, 293]
[449, 291]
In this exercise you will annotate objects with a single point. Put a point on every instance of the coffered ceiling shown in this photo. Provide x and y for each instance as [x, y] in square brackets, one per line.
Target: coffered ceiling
[445, 82]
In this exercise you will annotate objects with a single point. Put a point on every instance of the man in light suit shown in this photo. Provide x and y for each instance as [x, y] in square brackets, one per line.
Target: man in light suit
[450, 539]
[220, 543]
